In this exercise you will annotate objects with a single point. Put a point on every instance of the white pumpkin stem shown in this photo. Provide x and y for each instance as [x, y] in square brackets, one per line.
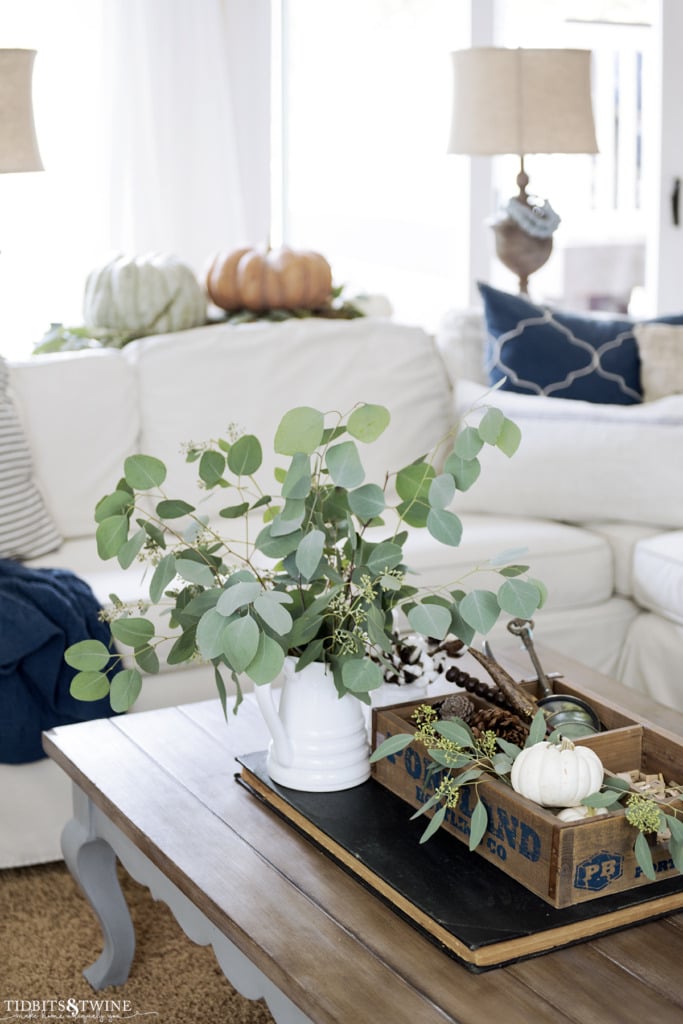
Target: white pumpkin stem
[566, 744]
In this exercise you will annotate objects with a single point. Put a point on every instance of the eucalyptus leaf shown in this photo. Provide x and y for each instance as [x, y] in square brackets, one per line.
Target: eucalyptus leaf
[115, 504]
[195, 572]
[309, 553]
[163, 574]
[383, 556]
[211, 467]
[441, 491]
[147, 659]
[413, 481]
[641, 848]
[367, 501]
[456, 731]
[361, 675]
[275, 545]
[480, 609]
[143, 472]
[173, 508]
[273, 614]
[434, 825]
[245, 455]
[426, 806]
[241, 642]
[89, 686]
[132, 632]
[607, 799]
[238, 596]
[465, 472]
[676, 827]
[344, 464]
[184, 647]
[479, 824]
[153, 532]
[111, 535]
[460, 628]
[468, 443]
[87, 655]
[519, 598]
[430, 620]
[222, 692]
[234, 511]
[289, 519]
[537, 729]
[444, 526]
[511, 749]
[297, 483]
[129, 551]
[368, 422]
[268, 661]
[209, 635]
[491, 425]
[125, 689]
[300, 430]
[509, 438]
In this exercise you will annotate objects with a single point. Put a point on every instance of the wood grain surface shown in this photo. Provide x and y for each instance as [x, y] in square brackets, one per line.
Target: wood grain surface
[166, 779]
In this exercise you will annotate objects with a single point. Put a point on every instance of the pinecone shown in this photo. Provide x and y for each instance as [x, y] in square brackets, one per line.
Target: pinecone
[457, 705]
[503, 723]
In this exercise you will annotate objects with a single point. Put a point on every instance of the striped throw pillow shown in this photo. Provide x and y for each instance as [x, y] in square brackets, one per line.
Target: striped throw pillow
[26, 529]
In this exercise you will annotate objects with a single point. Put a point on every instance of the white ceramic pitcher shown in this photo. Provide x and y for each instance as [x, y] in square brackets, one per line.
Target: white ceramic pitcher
[319, 740]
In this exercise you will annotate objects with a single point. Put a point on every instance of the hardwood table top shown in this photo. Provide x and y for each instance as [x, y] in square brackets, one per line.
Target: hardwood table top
[166, 779]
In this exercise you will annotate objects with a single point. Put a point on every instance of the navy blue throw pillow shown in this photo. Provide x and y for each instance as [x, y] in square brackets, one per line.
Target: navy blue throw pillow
[540, 351]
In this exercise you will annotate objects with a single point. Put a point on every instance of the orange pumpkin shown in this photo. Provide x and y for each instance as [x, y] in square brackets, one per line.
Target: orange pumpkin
[262, 279]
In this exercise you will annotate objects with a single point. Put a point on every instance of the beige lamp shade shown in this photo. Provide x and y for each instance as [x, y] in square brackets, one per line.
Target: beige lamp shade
[18, 143]
[521, 101]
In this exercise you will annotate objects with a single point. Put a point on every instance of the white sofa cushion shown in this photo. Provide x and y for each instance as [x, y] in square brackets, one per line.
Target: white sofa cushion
[80, 414]
[580, 458]
[651, 657]
[658, 575]
[197, 383]
[576, 566]
[26, 527]
[622, 539]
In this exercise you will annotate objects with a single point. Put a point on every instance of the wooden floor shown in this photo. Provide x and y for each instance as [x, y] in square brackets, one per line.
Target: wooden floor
[166, 779]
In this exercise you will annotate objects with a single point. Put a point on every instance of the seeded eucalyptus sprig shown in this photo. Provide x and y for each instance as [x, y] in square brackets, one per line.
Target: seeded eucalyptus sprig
[648, 816]
[458, 759]
[317, 569]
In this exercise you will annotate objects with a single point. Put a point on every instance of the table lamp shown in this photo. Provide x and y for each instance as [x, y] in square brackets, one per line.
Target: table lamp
[18, 143]
[522, 102]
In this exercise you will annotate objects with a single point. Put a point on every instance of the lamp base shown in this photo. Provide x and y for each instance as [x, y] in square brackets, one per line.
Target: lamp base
[520, 252]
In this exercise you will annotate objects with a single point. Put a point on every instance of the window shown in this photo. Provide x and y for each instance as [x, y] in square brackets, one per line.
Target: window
[600, 246]
[366, 106]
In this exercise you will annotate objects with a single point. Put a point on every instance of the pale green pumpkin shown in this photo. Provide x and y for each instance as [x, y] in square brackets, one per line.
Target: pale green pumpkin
[150, 294]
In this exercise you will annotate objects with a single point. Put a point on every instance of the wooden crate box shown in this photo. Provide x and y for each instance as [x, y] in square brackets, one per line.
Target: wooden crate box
[564, 863]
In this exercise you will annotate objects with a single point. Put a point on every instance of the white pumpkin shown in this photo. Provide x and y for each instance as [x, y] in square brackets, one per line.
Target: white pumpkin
[557, 774]
[580, 812]
[152, 294]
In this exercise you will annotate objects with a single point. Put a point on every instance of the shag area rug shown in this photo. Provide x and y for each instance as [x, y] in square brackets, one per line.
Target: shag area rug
[48, 934]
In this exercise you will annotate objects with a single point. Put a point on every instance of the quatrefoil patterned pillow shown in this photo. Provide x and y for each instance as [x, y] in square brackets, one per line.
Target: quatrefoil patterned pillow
[540, 351]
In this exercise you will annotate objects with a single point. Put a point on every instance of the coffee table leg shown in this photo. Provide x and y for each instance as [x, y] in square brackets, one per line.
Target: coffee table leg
[92, 863]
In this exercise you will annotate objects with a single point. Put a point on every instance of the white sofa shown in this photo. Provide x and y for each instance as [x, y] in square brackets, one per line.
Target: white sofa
[594, 496]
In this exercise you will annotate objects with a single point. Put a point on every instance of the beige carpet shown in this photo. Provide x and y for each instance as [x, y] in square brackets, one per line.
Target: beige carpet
[48, 934]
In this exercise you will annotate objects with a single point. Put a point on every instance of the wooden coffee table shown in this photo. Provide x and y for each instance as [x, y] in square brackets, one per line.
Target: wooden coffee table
[157, 790]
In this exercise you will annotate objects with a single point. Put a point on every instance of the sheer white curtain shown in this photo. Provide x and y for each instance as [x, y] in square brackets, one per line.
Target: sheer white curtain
[174, 179]
[136, 121]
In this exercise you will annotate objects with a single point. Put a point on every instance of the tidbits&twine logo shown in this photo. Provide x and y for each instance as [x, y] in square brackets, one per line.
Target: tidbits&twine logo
[104, 1011]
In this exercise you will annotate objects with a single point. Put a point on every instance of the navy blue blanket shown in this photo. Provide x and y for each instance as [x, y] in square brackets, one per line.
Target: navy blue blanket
[42, 612]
